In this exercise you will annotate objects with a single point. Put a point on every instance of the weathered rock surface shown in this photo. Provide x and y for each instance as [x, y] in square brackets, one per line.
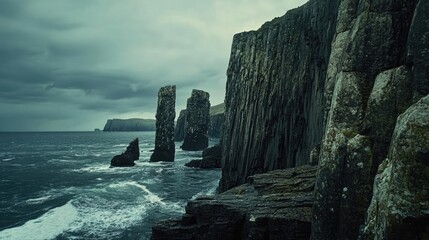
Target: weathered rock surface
[197, 121]
[179, 131]
[129, 125]
[400, 204]
[165, 114]
[127, 158]
[368, 84]
[212, 158]
[274, 94]
[275, 205]
[217, 114]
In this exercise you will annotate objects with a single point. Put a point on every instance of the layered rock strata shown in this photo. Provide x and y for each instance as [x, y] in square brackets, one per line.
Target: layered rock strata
[197, 121]
[274, 205]
[165, 114]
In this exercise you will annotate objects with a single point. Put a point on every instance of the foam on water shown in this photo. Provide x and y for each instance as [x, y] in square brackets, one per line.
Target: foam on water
[150, 197]
[8, 159]
[38, 200]
[47, 226]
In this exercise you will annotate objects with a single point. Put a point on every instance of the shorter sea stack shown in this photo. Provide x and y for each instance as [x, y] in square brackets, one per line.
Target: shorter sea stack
[165, 114]
[179, 132]
[212, 158]
[127, 158]
[197, 121]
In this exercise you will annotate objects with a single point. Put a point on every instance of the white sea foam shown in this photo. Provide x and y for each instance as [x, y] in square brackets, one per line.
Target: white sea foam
[120, 145]
[48, 226]
[209, 191]
[38, 200]
[8, 159]
[150, 197]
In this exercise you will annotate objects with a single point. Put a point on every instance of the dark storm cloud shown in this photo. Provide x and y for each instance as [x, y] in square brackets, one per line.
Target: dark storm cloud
[71, 64]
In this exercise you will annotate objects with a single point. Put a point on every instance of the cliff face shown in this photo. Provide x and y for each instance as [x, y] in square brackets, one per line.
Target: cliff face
[179, 130]
[129, 125]
[274, 103]
[217, 114]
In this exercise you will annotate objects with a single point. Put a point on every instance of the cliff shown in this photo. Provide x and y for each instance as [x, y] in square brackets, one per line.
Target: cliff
[216, 120]
[129, 125]
[343, 85]
[215, 126]
[274, 103]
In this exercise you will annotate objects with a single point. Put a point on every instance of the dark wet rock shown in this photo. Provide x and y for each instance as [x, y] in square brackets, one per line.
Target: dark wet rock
[212, 158]
[127, 158]
[367, 86]
[274, 205]
[165, 114]
[129, 125]
[197, 121]
[400, 204]
[122, 160]
[274, 99]
[216, 120]
[179, 131]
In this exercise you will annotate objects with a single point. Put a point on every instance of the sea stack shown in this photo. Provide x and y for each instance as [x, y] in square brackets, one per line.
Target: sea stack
[127, 158]
[197, 121]
[179, 132]
[165, 114]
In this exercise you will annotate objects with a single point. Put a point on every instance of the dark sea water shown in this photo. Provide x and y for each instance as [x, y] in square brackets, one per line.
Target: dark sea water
[60, 186]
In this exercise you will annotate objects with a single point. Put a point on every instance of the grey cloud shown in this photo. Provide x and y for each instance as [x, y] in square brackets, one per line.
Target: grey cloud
[105, 58]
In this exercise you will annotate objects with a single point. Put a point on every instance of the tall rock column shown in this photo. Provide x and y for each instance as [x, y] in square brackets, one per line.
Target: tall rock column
[165, 114]
[197, 121]
[179, 132]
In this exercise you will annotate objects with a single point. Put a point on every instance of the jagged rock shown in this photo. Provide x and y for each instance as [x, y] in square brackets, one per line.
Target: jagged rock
[400, 204]
[133, 149]
[122, 160]
[127, 158]
[275, 205]
[370, 47]
[197, 121]
[165, 114]
[179, 131]
[129, 125]
[274, 93]
[212, 158]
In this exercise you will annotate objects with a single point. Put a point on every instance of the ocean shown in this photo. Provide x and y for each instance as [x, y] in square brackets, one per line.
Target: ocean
[58, 185]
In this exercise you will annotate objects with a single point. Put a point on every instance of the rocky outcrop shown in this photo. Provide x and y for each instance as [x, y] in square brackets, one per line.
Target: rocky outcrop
[197, 121]
[369, 83]
[400, 204]
[179, 131]
[274, 103]
[165, 114]
[127, 158]
[325, 85]
[216, 120]
[129, 125]
[212, 158]
[275, 205]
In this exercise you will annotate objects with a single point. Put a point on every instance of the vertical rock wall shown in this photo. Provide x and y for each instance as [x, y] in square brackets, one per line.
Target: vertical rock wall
[165, 114]
[197, 121]
[368, 85]
[179, 131]
[274, 94]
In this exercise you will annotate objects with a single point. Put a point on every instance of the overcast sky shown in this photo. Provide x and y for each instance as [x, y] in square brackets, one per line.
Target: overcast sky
[72, 64]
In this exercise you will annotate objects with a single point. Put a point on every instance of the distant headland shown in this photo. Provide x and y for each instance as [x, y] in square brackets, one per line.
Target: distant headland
[129, 125]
